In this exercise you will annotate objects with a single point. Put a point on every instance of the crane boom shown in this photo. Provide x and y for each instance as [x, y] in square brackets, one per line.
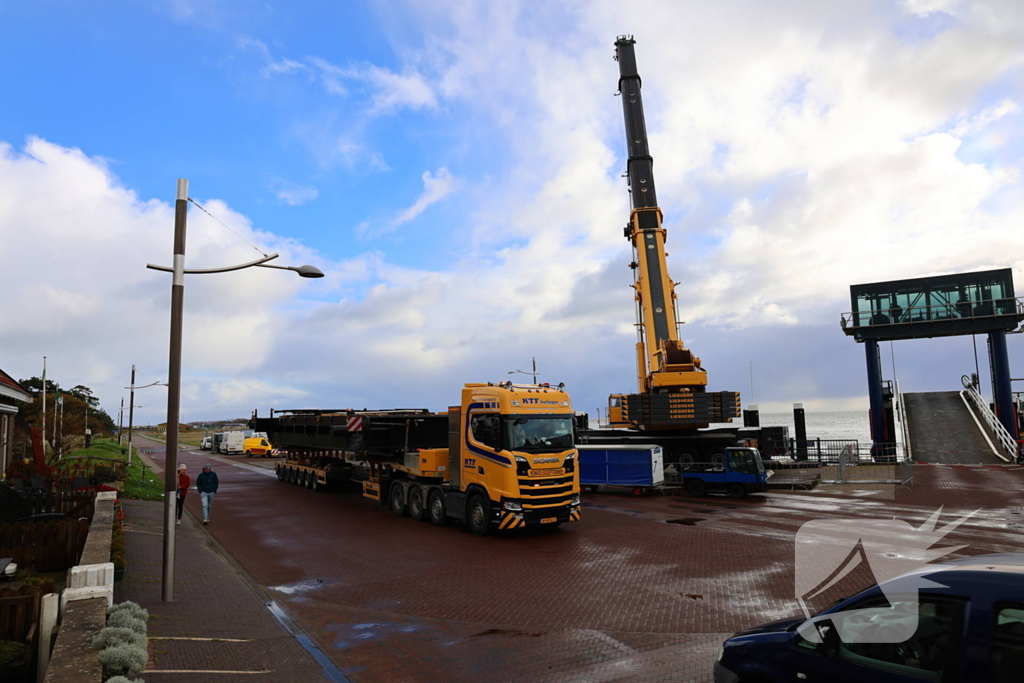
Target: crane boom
[670, 379]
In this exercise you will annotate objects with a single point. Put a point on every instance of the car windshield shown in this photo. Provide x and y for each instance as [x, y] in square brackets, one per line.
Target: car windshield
[745, 461]
[538, 434]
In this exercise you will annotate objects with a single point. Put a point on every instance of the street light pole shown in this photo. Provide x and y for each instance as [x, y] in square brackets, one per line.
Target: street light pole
[522, 372]
[174, 388]
[174, 367]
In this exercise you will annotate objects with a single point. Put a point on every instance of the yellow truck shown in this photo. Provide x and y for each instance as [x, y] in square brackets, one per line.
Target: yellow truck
[505, 458]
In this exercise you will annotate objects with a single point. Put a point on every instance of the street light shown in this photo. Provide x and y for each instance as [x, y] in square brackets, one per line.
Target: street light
[523, 372]
[132, 407]
[174, 367]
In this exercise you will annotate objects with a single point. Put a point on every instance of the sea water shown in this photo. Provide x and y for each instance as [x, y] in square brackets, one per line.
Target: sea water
[821, 425]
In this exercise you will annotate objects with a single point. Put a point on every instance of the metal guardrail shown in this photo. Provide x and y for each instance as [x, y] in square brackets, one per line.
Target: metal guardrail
[944, 312]
[1006, 440]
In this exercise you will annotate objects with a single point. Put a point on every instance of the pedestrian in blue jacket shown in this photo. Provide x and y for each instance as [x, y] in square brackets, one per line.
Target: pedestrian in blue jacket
[207, 484]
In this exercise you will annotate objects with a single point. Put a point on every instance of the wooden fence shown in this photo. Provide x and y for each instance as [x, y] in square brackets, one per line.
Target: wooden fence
[19, 621]
[49, 546]
[70, 503]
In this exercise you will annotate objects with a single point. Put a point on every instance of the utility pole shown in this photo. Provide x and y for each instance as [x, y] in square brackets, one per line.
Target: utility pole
[131, 415]
[44, 408]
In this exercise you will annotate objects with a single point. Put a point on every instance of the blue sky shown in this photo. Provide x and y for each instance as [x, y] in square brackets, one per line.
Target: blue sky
[455, 168]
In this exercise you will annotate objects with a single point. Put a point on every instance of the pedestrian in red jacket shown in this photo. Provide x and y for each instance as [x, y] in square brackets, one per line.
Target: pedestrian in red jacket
[184, 481]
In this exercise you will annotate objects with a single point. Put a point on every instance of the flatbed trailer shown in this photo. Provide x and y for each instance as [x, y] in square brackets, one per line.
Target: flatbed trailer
[505, 458]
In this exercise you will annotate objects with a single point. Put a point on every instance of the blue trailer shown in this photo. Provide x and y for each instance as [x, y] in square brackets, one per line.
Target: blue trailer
[638, 467]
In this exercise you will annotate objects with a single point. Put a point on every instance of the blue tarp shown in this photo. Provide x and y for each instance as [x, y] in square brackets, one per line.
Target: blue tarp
[616, 467]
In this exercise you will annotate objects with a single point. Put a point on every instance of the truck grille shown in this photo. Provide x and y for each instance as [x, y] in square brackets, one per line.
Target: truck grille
[546, 491]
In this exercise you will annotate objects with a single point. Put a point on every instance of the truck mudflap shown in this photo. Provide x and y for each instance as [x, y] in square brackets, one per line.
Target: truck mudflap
[518, 520]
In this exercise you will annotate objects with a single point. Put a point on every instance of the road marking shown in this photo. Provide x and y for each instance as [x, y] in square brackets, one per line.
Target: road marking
[219, 640]
[204, 671]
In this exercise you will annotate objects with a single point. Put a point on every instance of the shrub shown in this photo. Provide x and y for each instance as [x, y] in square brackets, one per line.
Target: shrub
[10, 652]
[126, 619]
[122, 679]
[124, 660]
[131, 607]
[113, 635]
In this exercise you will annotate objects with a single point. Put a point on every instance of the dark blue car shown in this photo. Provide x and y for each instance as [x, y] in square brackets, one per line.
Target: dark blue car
[970, 629]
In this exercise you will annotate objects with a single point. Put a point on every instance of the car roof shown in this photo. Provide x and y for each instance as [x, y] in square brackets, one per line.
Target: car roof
[955, 574]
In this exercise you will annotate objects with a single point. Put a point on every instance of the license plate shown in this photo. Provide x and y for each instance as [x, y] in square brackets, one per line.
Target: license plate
[547, 473]
[549, 520]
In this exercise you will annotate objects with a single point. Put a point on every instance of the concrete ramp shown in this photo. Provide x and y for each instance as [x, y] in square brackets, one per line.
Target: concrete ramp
[943, 430]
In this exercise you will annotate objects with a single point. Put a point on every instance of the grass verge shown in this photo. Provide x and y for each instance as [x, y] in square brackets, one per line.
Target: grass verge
[139, 481]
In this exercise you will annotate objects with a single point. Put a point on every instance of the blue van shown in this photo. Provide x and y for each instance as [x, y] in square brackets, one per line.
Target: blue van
[971, 628]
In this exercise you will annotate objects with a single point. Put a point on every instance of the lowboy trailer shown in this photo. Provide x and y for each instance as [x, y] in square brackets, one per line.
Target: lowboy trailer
[505, 458]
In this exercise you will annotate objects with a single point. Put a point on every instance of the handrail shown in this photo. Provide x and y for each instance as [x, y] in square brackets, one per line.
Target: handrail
[1005, 438]
[902, 315]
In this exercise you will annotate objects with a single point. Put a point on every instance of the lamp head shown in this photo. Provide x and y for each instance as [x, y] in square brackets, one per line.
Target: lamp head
[308, 271]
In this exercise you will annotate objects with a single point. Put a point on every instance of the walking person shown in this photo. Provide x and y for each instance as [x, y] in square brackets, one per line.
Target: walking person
[207, 484]
[184, 481]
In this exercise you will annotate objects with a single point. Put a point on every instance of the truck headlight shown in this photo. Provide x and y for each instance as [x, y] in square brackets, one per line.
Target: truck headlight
[513, 506]
[571, 456]
[523, 460]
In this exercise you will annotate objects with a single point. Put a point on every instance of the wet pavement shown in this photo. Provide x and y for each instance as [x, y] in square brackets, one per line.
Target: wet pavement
[643, 589]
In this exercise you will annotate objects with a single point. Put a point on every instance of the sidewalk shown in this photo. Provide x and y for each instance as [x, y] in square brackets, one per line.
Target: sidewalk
[218, 627]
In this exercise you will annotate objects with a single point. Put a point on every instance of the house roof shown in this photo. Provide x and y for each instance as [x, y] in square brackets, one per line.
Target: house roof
[11, 389]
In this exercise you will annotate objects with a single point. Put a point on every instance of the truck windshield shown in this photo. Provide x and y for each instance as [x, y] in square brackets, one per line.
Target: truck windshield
[745, 462]
[538, 434]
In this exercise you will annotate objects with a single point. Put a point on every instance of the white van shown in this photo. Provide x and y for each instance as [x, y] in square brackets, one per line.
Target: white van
[233, 443]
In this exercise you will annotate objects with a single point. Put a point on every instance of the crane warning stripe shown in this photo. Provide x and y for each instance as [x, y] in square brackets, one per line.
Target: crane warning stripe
[354, 424]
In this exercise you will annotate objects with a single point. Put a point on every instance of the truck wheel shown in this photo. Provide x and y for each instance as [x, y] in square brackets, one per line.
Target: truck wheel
[696, 488]
[435, 509]
[416, 509]
[737, 491]
[478, 516]
[248, 454]
[397, 500]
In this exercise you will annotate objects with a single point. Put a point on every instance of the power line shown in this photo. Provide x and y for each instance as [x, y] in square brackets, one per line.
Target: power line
[226, 226]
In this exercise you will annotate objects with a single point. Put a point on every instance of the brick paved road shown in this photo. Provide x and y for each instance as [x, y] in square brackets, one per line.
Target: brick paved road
[643, 589]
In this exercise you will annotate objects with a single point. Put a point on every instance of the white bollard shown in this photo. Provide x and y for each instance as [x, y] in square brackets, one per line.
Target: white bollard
[47, 620]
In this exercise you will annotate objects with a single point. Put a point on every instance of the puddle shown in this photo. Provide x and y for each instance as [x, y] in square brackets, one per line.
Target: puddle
[686, 521]
[302, 586]
[506, 632]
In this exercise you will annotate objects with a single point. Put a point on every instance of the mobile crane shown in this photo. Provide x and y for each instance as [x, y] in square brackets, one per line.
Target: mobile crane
[671, 383]
[672, 407]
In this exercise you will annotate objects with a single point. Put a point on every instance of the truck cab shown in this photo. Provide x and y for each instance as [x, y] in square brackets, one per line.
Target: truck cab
[741, 472]
[510, 463]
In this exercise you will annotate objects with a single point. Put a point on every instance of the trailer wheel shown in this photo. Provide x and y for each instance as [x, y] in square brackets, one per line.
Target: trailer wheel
[696, 488]
[280, 476]
[314, 482]
[592, 488]
[416, 509]
[397, 500]
[478, 516]
[737, 491]
[308, 481]
[435, 509]
[303, 478]
[293, 476]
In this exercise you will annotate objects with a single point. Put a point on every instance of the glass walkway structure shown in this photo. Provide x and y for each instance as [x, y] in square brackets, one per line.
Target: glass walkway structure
[980, 302]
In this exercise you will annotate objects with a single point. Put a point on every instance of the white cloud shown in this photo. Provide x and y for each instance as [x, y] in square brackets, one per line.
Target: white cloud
[435, 188]
[295, 195]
